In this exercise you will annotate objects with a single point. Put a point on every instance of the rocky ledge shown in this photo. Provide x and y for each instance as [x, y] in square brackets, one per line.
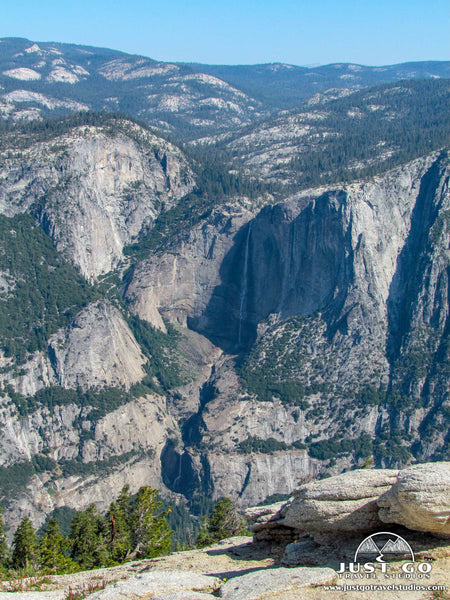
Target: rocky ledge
[234, 569]
[360, 502]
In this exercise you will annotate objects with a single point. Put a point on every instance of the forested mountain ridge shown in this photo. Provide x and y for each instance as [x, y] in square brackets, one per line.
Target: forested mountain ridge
[344, 139]
[192, 318]
[184, 101]
[51, 79]
[286, 86]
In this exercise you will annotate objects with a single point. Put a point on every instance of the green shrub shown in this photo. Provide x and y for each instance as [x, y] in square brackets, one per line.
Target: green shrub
[255, 444]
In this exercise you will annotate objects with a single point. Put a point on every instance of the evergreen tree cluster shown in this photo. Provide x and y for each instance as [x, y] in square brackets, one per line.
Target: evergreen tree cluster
[353, 137]
[45, 291]
[223, 522]
[133, 528]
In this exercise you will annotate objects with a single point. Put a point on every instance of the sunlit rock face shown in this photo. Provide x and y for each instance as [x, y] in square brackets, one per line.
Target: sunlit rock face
[420, 499]
[94, 192]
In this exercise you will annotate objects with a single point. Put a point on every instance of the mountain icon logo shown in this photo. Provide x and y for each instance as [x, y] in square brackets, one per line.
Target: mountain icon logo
[384, 543]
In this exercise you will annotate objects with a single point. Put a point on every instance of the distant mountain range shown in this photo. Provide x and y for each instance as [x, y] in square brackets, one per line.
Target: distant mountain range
[186, 101]
[287, 86]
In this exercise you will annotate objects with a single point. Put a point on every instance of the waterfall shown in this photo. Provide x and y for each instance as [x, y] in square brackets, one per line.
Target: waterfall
[243, 294]
[178, 478]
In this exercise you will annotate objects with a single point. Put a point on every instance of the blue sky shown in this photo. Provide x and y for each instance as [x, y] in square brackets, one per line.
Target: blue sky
[301, 32]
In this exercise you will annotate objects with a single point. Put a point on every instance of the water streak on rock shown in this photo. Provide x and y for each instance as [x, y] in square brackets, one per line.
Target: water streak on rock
[244, 285]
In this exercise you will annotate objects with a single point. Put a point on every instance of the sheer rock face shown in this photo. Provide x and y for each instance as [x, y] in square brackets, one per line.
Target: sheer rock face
[22, 437]
[95, 192]
[97, 350]
[332, 258]
[180, 283]
[250, 478]
[363, 268]
[36, 374]
[420, 499]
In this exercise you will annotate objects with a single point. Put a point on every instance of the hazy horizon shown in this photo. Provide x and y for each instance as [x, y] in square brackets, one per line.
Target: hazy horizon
[246, 32]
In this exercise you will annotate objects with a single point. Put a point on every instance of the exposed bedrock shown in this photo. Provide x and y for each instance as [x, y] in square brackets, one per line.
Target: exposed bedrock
[364, 269]
[358, 502]
[98, 349]
[335, 253]
[94, 192]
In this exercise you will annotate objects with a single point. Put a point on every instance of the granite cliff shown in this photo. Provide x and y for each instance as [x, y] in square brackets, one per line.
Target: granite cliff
[251, 343]
[94, 189]
[322, 297]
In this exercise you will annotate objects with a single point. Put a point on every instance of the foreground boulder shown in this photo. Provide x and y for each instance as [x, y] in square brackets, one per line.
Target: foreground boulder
[419, 499]
[342, 504]
[357, 502]
[269, 524]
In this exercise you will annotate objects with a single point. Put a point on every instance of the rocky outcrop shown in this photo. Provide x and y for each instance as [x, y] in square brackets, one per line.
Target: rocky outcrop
[189, 585]
[148, 584]
[184, 596]
[312, 293]
[324, 508]
[339, 505]
[95, 192]
[98, 349]
[265, 513]
[268, 524]
[34, 375]
[354, 503]
[419, 499]
[180, 283]
[330, 258]
[233, 568]
[239, 570]
[24, 436]
[250, 478]
[122, 448]
[315, 286]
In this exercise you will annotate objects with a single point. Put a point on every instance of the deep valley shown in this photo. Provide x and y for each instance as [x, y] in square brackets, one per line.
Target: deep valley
[222, 292]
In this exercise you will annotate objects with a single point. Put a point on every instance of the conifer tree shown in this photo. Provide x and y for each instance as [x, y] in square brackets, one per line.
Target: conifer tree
[52, 550]
[24, 552]
[4, 551]
[224, 521]
[102, 555]
[119, 519]
[87, 535]
[204, 537]
[151, 532]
